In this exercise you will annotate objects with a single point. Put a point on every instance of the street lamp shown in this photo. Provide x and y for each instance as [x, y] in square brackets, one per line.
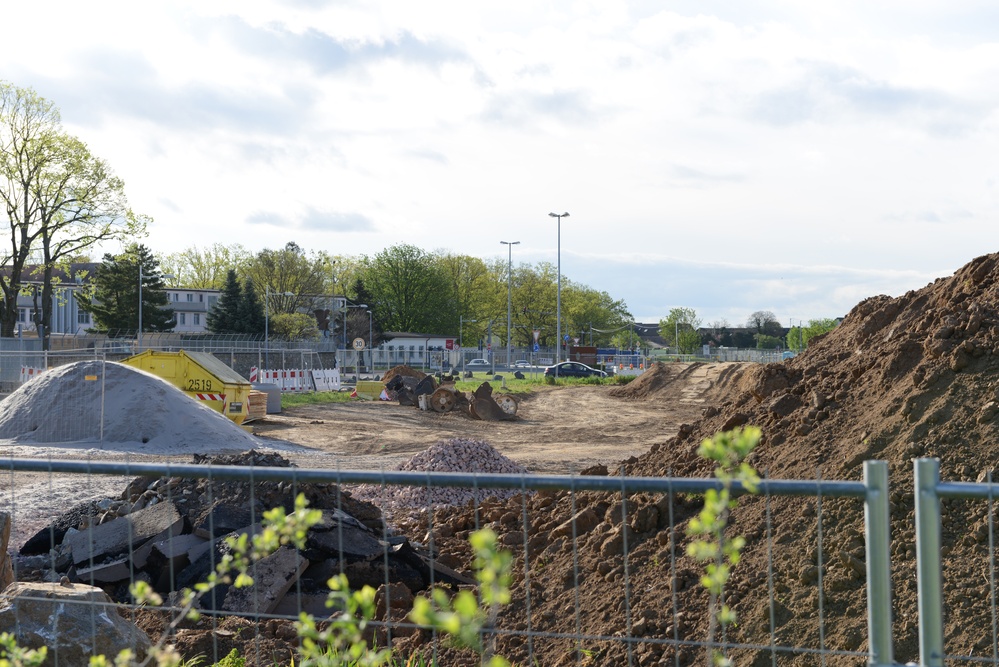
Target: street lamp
[371, 343]
[509, 297]
[461, 341]
[356, 365]
[267, 322]
[558, 294]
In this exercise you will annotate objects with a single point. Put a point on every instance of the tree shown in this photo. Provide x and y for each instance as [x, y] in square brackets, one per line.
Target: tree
[410, 292]
[764, 322]
[224, 317]
[205, 268]
[294, 326]
[679, 330]
[798, 337]
[114, 303]
[296, 278]
[250, 312]
[56, 195]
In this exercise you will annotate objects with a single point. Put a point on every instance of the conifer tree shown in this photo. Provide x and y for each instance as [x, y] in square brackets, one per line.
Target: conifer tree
[224, 317]
[114, 303]
[250, 311]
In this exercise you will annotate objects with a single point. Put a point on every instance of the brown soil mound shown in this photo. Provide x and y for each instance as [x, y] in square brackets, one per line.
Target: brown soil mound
[405, 371]
[900, 378]
[651, 382]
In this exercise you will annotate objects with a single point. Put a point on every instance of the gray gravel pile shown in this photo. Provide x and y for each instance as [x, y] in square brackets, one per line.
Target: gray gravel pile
[454, 455]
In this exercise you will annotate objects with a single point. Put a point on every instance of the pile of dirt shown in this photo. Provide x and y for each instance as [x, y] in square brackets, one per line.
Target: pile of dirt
[404, 371]
[114, 406]
[651, 383]
[900, 378]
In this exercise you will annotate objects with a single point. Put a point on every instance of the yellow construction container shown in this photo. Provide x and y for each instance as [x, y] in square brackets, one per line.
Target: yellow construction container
[202, 377]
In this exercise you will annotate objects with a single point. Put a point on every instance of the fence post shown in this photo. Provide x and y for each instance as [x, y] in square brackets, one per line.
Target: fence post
[929, 577]
[877, 534]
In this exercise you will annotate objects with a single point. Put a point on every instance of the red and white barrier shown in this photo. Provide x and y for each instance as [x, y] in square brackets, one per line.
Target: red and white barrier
[293, 380]
[28, 373]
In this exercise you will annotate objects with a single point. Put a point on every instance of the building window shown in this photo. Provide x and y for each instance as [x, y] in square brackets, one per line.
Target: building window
[197, 318]
[183, 318]
[82, 317]
[190, 297]
[22, 314]
[176, 296]
[201, 298]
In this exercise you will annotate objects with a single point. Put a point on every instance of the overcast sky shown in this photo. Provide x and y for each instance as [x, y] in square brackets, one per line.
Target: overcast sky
[796, 157]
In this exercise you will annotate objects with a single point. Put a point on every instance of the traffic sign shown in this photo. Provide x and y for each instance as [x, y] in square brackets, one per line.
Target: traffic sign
[537, 348]
[358, 343]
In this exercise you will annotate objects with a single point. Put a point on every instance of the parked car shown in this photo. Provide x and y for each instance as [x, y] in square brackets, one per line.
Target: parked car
[574, 369]
[478, 363]
[522, 363]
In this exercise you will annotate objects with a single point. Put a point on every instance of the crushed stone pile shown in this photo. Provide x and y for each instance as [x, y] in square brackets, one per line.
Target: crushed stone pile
[114, 406]
[900, 378]
[453, 455]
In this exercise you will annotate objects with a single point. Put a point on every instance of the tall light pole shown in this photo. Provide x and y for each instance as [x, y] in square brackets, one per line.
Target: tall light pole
[461, 341]
[558, 294]
[138, 347]
[371, 343]
[509, 297]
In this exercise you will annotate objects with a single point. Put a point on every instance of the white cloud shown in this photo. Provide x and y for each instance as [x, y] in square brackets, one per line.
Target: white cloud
[758, 142]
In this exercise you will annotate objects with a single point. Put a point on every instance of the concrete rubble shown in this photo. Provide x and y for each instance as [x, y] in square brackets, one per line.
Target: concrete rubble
[171, 533]
[74, 621]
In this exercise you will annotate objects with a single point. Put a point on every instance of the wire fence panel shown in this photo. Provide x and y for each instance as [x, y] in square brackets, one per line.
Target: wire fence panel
[600, 570]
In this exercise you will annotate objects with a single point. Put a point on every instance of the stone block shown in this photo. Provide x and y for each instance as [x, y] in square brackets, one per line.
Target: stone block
[272, 576]
[118, 535]
[74, 621]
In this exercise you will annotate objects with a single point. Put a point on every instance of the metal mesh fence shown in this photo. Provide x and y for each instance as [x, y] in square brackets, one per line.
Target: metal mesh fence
[161, 524]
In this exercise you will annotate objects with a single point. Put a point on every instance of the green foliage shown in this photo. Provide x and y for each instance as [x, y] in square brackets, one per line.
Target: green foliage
[765, 342]
[233, 659]
[205, 268]
[12, 655]
[342, 642]
[224, 317]
[461, 617]
[411, 291]
[679, 330]
[798, 337]
[58, 198]
[294, 326]
[719, 552]
[238, 310]
[114, 301]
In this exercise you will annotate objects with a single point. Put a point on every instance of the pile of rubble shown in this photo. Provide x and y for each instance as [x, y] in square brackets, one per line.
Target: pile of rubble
[454, 455]
[170, 532]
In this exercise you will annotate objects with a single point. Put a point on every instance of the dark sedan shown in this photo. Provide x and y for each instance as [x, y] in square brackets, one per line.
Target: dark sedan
[574, 369]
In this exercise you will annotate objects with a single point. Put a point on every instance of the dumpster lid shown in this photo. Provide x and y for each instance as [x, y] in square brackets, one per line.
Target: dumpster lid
[216, 368]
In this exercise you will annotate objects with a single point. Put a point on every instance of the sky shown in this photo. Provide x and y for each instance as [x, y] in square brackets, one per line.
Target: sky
[729, 157]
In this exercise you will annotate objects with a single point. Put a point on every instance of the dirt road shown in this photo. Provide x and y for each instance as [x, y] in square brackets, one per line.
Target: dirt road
[558, 431]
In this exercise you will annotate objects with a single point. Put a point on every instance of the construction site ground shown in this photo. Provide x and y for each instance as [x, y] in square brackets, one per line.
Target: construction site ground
[559, 430]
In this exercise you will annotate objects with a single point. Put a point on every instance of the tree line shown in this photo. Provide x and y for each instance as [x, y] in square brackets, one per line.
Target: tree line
[62, 201]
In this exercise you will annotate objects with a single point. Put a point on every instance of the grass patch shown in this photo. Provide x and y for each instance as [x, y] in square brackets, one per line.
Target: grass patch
[315, 398]
[513, 386]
